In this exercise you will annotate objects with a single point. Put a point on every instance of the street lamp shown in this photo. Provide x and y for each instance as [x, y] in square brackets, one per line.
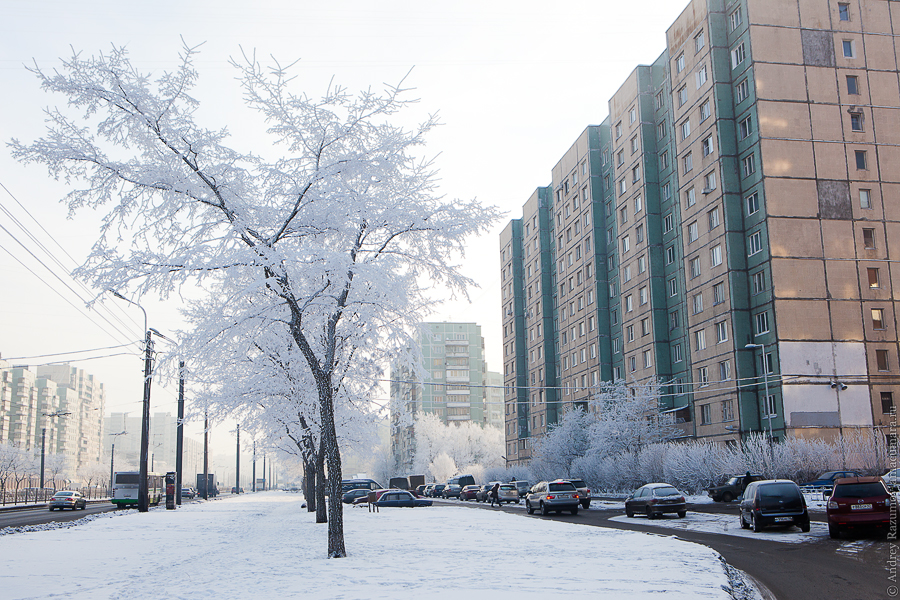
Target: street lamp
[766, 376]
[143, 489]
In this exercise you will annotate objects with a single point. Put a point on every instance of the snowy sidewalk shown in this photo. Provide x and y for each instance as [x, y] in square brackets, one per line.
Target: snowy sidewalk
[265, 546]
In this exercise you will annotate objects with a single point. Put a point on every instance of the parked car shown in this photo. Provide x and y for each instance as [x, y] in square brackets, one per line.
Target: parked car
[825, 481]
[655, 500]
[859, 503]
[451, 490]
[438, 490]
[508, 493]
[400, 498]
[733, 488]
[352, 495]
[235, 490]
[420, 490]
[523, 486]
[583, 491]
[468, 492]
[550, 496]
[484, 492]
[188, 492]
[67, 499]
[427, 491]
[773, 502]
[892, 479]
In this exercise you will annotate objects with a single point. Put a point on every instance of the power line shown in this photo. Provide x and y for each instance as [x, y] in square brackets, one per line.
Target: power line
[74, 352]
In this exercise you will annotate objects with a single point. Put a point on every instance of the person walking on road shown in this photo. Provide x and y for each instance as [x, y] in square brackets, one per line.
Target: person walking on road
[495, 494]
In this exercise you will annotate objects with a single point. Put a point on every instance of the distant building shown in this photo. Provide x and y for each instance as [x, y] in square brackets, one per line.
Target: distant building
[162, 444]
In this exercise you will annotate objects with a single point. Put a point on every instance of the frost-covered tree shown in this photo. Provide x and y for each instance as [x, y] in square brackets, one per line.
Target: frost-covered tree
[628, 417]
[333, 238]
[470, 446]
[554, 454]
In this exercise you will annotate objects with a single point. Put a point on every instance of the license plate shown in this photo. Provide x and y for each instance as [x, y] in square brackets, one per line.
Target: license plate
[565, 495]
[860, 507]
[783, 519]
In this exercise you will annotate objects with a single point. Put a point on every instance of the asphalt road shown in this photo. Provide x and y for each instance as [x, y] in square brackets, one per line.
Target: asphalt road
[20, 517]
[854, 568]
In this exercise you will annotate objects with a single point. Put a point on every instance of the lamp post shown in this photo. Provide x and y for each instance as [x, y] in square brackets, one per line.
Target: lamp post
[143, 489]
[237, 477]
[766, 378]
[112, 461]
[179, 433]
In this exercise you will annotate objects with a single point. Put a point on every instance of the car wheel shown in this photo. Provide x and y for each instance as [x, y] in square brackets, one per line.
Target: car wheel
[833, 531]
[727, 497]
[586, 505]
[51, 509]
[529, 508]
[743, 522]
[804, 525]
[682, 514]
[629, 513]
[574, 511]
[544, 511]
[650, 514]
[757, 527]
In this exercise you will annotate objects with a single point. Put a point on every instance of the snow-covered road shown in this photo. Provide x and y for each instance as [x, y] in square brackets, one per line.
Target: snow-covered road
[265, 546]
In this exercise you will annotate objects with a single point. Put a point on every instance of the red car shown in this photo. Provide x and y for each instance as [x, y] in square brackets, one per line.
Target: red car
[859, 503]
[469, 492]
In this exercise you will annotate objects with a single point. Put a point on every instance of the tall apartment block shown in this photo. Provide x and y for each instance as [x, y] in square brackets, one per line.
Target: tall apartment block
[62, 404]
[728, 230]
[450, 384]
[125, 432]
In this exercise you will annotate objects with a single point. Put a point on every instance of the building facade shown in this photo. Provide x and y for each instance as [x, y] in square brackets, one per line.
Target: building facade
[450, 384]
[727, 230]
[124, 431]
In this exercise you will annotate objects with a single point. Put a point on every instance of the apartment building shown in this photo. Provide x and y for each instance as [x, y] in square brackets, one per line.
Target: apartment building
[450, 383]
[124, 431]
[726, 230]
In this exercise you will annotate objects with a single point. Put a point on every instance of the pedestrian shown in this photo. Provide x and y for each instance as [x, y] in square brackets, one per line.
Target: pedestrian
[495, 494]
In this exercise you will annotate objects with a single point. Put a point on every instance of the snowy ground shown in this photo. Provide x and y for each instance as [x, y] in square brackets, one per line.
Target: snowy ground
[264, 546]
[730, 525]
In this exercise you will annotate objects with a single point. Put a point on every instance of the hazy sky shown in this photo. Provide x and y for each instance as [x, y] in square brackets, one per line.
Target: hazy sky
[515, 83]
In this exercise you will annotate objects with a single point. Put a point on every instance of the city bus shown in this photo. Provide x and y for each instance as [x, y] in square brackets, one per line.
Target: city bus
[125, 488]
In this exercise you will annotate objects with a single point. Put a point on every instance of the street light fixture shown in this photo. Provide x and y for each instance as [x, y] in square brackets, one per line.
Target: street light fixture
[766, 376]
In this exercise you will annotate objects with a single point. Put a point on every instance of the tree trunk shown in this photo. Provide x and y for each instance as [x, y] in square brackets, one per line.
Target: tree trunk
[321, 517]
[309, 484]
[336, 548]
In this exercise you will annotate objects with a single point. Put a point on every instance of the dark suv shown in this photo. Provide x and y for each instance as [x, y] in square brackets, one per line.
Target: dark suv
[857, 503]
[773, 502]
[733, 488]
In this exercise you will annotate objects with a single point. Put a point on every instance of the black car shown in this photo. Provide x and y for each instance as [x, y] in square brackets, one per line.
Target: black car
[773, 502]
[400, 498]
[733, 488]
[438, 490]
[352, 495]
[654, 500]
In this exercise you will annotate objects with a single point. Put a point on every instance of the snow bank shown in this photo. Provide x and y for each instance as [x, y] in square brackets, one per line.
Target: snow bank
[265, 546]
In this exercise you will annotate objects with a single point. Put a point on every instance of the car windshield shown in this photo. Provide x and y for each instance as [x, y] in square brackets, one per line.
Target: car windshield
[859, 490]
[507, 487]
[63, 494]
[666, 491]
[732, 481]
[579, 483]
[778, 490]
[561, 487]
[828, 475]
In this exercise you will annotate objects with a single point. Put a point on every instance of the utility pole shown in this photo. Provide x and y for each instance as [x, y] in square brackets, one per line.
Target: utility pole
[179, 433]
[265, 481]
[206, 455]
[254, 465]
[43, 439]
[237, 477]
[143, 484]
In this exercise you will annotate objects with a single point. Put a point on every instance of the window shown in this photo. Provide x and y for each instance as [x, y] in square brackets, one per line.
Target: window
[724, 371]
[853, 85]
[713, 218]
[618, 129]
[874, 280]
[688, 161]
[701, 76]
[642, 295]
[634, 144]
[745, 128]
[881, 359]
[887, 403]
[673, 287]
[616, 345]
[679, 63]
[699, 42]
[638, 205]
[693, 232]
[761, 321]
[622, 188]
[844, 11]
[856, 121]
[861, 163]
[642, 264]
[632, 363]
[629, 303]
[661, 130]
[626, 274]
[626, 244]
[664, 159]
[670, 255]
[686, 130]
[755, 242]
[659, 101]
[704, 111]
[759, 282]
[748, 164]
[635, 174]
[700, 340]
[868, 239]
[709, 182]
[718, 293]
[666, 191]
[623, 215]
[743, 90]
[639, 234]
[865, 199]
[697, 303]
[715, 256]
[690, 198]
[752, 204]
[705, 410]
[645, 327]
[673, 320]
[878, 318]
[735, 19]
[849, 48]
[721, 332]
[738, 55]
[620, 158]
[695, 267]
[703, 379]
[647, 359]
[707, 146]
[770, 406]
[682, 96]
[668, 223]
[632, 115]
[676, 353]
[727, 409]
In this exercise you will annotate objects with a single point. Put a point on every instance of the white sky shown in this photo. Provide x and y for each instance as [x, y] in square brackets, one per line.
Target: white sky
[515, 84]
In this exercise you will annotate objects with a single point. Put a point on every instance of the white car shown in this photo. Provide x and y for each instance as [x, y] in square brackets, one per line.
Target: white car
[892, 478]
